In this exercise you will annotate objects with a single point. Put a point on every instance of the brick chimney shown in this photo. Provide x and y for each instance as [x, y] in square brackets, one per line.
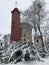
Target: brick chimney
[16, 29]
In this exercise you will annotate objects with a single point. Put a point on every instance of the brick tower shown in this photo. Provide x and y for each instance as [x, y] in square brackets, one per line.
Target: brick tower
[16, 30]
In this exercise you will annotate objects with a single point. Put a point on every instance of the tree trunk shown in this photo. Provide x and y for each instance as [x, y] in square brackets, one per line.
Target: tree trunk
[41, 36]
[42, 40]
[35, 30]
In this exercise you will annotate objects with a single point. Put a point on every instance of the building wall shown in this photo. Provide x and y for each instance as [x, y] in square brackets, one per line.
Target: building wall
[37, 40]
[19, 30]
[26, 31]
[16, 30]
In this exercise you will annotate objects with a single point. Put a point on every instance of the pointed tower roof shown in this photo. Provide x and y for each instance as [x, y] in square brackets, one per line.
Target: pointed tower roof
[15, 9]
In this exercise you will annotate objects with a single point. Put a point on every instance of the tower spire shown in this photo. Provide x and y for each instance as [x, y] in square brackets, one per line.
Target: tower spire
[16, 4]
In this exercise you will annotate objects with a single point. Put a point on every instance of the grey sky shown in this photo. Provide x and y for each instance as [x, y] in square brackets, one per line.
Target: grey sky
[6, 6]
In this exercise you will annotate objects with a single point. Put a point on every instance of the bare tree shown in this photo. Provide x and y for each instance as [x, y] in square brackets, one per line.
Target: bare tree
[39, 12]
[36, 15]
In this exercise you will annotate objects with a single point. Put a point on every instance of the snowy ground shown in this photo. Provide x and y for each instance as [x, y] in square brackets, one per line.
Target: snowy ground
[45, 62]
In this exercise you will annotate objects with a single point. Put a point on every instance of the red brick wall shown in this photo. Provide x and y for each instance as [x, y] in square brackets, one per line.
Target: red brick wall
[16, 30]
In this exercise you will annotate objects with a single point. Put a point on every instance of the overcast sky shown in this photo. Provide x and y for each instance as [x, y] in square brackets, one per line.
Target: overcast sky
[6, 6]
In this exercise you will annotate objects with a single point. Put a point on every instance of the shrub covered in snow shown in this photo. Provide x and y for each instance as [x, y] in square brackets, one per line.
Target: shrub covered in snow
[22, 51]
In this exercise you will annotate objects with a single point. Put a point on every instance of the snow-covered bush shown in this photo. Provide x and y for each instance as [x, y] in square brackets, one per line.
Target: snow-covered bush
[27, 56]
[42, 51]
[22, 51]
[2, 53]
[16, 55]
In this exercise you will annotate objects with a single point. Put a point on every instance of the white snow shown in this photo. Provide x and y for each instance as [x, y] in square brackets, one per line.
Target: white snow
[36, 62]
